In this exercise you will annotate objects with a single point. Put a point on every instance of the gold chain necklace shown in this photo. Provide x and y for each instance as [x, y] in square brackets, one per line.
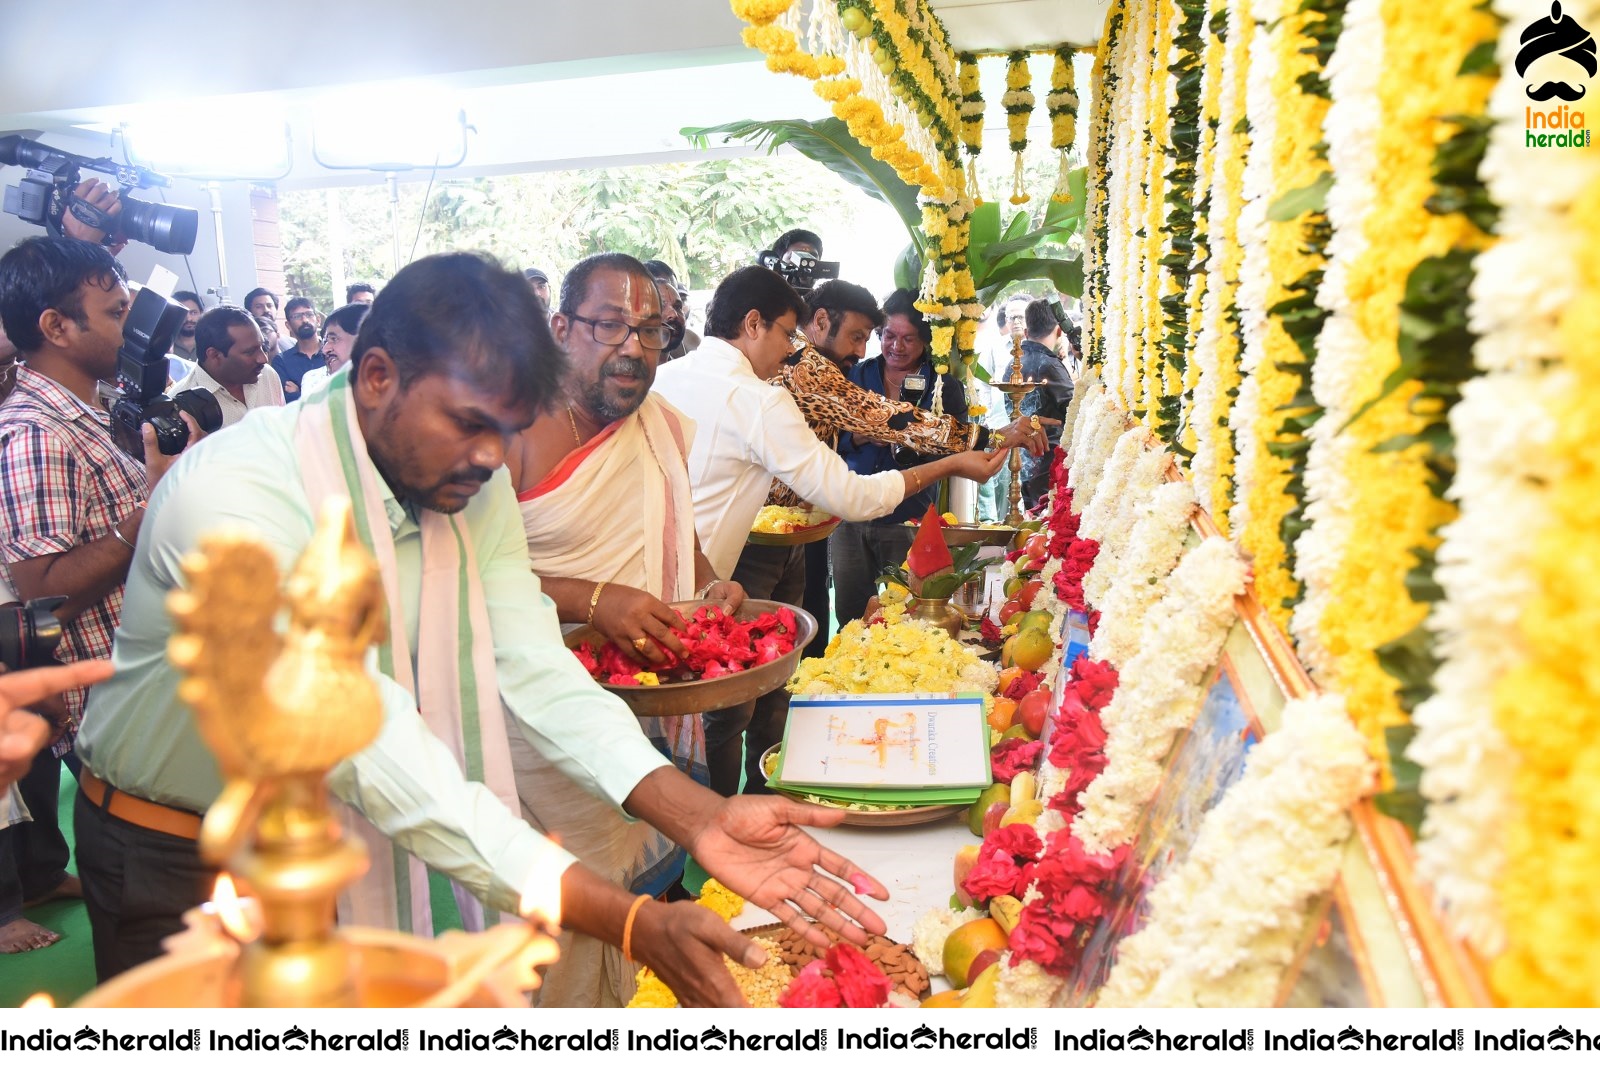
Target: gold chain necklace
[573, 423]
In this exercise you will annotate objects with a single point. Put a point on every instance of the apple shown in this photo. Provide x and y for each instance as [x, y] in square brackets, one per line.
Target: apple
[966, 857]
[993, 815]
[1036, 546]
[1032, 710]
[997, 792]
[981, 963]
[1027, 592]
[1009, 609]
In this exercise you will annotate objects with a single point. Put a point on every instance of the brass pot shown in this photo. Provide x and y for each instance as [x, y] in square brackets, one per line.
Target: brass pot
[940, 612]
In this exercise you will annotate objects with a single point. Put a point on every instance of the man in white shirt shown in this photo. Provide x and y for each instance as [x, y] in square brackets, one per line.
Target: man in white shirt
[749, 432]
[233, 364]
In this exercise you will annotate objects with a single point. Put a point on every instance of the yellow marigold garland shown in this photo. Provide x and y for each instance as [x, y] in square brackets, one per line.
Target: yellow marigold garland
[1062, 107]
[1154, 371]
[1549, 708]
[1387, 492]
[1205, 248]
[1295, 166]
[971, 120]
[1018, 103]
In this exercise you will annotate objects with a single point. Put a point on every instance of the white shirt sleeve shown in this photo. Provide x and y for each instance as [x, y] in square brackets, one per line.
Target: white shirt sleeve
[787, 448]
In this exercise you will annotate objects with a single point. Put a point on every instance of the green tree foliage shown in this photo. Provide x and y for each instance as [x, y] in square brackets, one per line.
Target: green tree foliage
[704, 218]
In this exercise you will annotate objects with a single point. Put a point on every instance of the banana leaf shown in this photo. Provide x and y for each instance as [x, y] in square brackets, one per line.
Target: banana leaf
[996, 257]
[828, 142]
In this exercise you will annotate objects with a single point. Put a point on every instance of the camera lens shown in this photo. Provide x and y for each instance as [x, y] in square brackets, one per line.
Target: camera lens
[29, 633]
[165, 227]
[202, 407]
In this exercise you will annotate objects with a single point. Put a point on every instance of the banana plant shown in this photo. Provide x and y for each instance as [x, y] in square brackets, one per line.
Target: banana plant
[999, 257]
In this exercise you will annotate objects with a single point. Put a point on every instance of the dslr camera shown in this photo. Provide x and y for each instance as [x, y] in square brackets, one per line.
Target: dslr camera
[800, 269]
[142, 381]
[45, 195]
[29, 633]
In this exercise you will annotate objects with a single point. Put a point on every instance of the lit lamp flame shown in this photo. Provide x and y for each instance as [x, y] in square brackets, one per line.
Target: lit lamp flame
[40, 1000]
[541, 896]
[235, 913]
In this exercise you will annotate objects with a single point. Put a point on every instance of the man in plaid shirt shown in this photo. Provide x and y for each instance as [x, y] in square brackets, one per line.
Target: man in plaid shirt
[73, 505]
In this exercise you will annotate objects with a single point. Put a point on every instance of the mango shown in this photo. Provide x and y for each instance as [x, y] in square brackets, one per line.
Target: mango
[966, 942]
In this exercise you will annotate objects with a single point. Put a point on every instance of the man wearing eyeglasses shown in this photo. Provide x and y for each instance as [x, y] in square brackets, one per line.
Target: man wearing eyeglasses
[304, 325]
[603, 481]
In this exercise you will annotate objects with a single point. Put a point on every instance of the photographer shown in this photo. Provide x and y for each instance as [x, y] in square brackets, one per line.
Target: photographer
[75, 500]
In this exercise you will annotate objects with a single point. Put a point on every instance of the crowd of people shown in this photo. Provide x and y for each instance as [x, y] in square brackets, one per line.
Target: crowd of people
[515, 466]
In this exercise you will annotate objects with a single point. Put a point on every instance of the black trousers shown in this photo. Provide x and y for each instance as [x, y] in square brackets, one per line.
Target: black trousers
[137, 884]
[33, 856]
[769, 573]
[818, 580]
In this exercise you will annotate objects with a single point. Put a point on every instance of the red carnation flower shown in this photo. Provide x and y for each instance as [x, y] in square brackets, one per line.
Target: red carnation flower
[860, 982]
[811, 989]
[1012, 756]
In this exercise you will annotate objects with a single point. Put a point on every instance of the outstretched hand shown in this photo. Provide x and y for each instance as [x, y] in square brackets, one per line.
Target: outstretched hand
[22, 733]
[754, 845]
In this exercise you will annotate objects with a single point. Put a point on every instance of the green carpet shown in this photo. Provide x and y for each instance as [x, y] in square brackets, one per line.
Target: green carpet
[65, 970]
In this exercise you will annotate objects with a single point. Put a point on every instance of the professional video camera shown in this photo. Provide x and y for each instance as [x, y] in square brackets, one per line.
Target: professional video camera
[29, 633]
[800, 269]
[142, 381]
[45, 195]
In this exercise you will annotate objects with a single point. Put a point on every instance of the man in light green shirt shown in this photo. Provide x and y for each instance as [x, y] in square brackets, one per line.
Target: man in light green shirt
[455, 357]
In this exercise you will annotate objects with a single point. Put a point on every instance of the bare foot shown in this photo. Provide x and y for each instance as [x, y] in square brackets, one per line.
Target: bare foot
[19, 936]
[66, 888]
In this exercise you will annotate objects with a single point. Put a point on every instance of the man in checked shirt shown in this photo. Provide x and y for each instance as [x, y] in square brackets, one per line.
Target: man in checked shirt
[73, 500]
[841, 318]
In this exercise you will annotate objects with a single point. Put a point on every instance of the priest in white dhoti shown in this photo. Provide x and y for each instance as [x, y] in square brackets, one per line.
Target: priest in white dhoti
[603, 484]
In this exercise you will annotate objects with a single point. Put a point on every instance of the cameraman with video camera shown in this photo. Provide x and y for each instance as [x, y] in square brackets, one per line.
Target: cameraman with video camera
[797, 257]
[75, 500]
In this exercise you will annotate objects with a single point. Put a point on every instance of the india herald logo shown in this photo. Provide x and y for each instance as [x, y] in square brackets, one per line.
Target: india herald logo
[1556, 57]
[1558, 35]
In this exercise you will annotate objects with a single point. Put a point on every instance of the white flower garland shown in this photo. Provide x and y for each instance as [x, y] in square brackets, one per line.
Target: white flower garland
[1102, 504]
[1149, 470]
[1025, 985]
[1074, 414]
[1225, 923]
[1255, 274]
[1153, 551]
[1351, 128]
[1502, 428]
[1100, 440]
[1159, 690]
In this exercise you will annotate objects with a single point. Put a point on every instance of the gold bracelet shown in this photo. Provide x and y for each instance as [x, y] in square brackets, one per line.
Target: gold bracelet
[916, 480]
[594, 599]
[627, 926]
